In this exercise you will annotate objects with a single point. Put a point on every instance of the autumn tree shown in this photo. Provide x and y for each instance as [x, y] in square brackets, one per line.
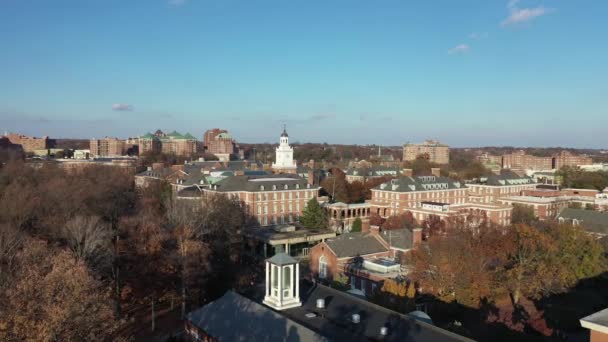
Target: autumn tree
[54, 297]
[528, 267]
[401, 221]
[88, 238]
[375, 220]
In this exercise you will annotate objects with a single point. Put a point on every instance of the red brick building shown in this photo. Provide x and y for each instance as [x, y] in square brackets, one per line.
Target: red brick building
[30, 144]
[107, 147]
[219, 141]
[566, 158]
[366, 259]
[271, 199]
[404, 193]
[490, 189]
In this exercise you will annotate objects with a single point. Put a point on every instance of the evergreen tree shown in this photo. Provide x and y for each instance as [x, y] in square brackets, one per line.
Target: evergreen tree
[313, 215]
[356, 227]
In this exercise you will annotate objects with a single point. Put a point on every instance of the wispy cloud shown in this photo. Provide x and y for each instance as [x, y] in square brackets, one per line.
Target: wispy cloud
[321, 117]
[522, 15]
[122, 107]
[479, 35]
[177, 2]
[459, 49]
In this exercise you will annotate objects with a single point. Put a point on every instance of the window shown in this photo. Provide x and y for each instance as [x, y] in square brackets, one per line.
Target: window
[286, 281]
[322, 268]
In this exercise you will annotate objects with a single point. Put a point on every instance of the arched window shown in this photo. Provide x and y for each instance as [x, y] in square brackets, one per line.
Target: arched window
[322, 267]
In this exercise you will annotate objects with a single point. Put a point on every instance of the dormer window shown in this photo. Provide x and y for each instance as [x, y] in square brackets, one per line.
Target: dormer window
[262, 187]
[286, 187]
[308, 186]
[274, 187]
[297, 186]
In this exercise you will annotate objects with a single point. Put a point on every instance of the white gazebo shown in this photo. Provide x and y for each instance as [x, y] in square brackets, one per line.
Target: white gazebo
[282, 282]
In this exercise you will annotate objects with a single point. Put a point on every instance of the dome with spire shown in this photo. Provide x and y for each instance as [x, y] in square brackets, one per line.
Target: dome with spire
[284, 134]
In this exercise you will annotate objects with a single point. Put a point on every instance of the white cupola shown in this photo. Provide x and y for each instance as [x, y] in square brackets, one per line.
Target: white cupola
[282, 282]
[284, 155]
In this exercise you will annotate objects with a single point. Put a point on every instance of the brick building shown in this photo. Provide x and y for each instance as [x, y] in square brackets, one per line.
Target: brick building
[219, 143]
[172, 143]
[366, 259]
[342, 215]
[400, 194]
[490, 189]
[521, 160]
[471, 214]
[271, 199]
[107, 147]
[565, 158]
[30, 144]
[435, 151]
[364, 174]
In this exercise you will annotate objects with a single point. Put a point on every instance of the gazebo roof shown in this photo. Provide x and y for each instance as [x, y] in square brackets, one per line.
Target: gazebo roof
[281, 259]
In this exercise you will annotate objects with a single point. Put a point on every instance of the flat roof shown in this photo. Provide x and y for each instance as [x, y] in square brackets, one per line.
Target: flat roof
[301, 234]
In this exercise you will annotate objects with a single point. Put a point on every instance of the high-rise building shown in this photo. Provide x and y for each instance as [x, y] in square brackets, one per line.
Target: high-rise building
[433, 150]
[107, 147]
[284, 162]
[219, 143]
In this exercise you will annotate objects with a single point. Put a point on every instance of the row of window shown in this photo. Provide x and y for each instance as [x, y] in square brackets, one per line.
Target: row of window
[285, 187]
[290, 195]
[264, 221]
[275, 208]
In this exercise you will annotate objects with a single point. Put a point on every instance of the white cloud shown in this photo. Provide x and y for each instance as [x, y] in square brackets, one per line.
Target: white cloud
[458, 49]
[178, 2]
[521, 15]
[122, 107]
[479, 35]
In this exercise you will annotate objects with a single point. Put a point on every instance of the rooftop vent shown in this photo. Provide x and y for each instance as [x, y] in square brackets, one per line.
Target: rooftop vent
[384, 331]
[356, 318]
[320, 303]
[310, 315]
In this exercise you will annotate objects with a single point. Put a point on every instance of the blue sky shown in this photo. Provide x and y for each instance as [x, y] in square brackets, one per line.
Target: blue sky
[467, 72]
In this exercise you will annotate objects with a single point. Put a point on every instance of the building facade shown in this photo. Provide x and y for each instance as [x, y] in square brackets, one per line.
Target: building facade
[284, 162]
[172, 143]
[490, 189]
[435, 151]
[271, 199]
[107, 147]
[400, 194]
[219, 142]
[30, 144]
[565, 158]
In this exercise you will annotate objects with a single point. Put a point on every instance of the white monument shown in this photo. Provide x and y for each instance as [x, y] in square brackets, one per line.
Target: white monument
[284, 162]
[282, 282]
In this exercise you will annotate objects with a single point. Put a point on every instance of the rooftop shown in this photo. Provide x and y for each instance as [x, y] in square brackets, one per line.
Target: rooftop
[597, 321]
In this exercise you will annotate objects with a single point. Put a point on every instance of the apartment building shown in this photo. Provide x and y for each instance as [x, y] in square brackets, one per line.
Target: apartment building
[30, 144]
[435, 151]
[107, 147]
[172, 143]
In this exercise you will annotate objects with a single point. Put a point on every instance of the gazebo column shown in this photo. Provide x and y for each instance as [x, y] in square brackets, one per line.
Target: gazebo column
[267, 278]
[297, 278]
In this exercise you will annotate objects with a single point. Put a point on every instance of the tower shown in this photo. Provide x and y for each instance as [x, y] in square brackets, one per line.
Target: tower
[284, 162]
[282, 282]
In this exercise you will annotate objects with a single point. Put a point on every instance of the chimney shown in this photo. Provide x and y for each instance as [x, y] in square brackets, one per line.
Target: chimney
[157, 166]
[311, 177]
[416, 237]
[311, 163]
[408, 172]
[435, 171]
[177, 167]
[374, 230]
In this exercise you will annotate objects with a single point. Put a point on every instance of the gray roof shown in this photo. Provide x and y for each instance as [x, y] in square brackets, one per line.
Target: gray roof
[593, 221]
[355, 244]
[376, 171]
[507, 177]
[336, 324]
[398, 238]
[191, 191]
[420, 183]
[236, 318]
[261, 183]
[281, 259]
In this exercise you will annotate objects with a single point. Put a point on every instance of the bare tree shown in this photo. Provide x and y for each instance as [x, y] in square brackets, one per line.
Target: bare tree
[88, 238]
